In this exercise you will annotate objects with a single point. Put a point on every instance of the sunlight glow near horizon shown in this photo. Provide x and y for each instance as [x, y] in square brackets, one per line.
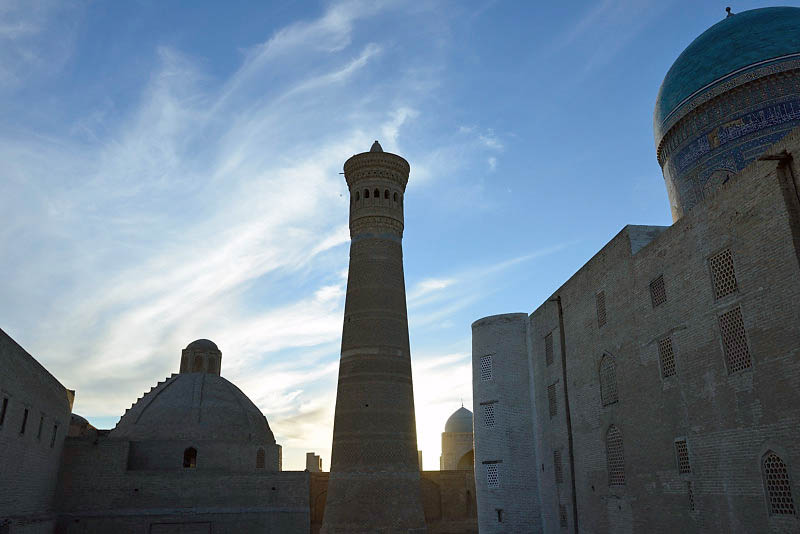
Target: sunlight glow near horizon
[173, 173]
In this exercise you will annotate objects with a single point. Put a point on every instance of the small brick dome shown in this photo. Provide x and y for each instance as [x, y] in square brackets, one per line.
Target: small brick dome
[202, 344]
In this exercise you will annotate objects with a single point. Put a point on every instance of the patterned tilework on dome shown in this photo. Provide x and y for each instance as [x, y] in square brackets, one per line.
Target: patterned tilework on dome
[734, 91]
[742, 41]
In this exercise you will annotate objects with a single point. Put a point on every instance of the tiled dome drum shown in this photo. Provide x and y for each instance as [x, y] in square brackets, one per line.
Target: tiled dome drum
[733, 92]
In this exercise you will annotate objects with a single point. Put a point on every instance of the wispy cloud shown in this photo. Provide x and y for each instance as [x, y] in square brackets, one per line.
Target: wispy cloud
[605, 30]
[23, 53]
[205, 212]
[213, 207]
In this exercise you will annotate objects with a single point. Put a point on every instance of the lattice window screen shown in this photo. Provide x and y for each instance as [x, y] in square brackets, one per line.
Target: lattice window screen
[666, 356]
[658, 293]
[734, 341]
[551, 399]
[682, 456]
[690, 495]
[608, 380]
[492, 476]
[723, 275]
[562, 515]
[779, 491]
[616, 458]
[548, 348]
[601, 308]
[486, 368]
[488, 415]
[558, 468]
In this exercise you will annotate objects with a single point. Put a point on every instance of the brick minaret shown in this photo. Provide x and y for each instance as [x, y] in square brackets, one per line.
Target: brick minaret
[374, 480]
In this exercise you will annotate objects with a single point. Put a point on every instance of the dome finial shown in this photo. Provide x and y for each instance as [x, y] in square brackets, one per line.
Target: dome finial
[728, 10]
[376, 147]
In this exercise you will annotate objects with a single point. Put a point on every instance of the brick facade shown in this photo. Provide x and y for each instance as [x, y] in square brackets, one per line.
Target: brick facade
[729, 415]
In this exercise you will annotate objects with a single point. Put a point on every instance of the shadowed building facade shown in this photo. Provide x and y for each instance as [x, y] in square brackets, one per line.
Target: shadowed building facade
[374, 480]
[658, 389]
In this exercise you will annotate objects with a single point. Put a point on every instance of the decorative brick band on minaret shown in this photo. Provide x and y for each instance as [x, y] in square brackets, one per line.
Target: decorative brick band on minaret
[374, 480]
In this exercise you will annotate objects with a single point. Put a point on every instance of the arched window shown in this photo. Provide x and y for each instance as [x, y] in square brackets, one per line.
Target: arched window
[366, 193]
[198, 364]
[776, 480]
[395, 196]
[377, 193]
[616, 458]
[358, 196]
[386, 194]
[401, 201]
[260, 459]
[608, 380]
[212, 365]
[190, 458]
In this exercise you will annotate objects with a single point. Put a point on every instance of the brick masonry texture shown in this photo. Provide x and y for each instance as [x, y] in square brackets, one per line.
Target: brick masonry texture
[729, 420]
[28, 462]
[374, 483]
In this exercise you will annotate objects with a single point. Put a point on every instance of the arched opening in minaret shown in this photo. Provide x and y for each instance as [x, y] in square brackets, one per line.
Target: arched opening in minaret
[377, 193]
[190, 458]
[395, 196]
[366, 193]
[198, 364]
[358, 196]
[260, 459]
[386, 194]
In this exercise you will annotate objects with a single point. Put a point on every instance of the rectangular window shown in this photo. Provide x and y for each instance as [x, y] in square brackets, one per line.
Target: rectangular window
[551, 399]
[492, 476]
[557, 467]
[734, 341]
[488, 415]
[562, 515]
[666, 357]
[658, 293]
[53, 438]
[601, 308]
[3, 410]
[486, 368]
[41, 423]
[24, 421]
[723, 276]
[548, 348]
[682, 456]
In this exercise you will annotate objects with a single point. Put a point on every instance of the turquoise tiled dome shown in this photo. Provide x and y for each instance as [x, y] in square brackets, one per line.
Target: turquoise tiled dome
[735, 44]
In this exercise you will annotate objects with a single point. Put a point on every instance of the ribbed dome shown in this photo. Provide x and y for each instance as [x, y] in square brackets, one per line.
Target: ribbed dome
[460, 421]
[732, 46]
[194, 406]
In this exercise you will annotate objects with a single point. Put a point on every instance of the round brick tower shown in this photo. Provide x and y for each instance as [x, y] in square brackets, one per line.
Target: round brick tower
[374, 480]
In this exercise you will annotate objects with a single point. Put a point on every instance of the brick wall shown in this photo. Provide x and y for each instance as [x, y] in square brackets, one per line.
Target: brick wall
[729, 416]
[29, 460]
[97, 494]
[448, 498]
[506, 477]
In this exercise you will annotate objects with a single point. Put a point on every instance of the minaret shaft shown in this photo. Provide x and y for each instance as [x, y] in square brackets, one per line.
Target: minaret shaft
[374, 482]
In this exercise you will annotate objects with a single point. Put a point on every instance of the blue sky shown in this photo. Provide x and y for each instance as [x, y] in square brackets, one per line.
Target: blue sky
[171, 171]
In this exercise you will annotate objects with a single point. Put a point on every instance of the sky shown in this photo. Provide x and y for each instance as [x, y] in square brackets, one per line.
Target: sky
[171, 171]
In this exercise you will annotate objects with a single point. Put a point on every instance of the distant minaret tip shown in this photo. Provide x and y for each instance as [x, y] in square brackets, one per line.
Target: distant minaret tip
[728, 10]
[376, 147]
